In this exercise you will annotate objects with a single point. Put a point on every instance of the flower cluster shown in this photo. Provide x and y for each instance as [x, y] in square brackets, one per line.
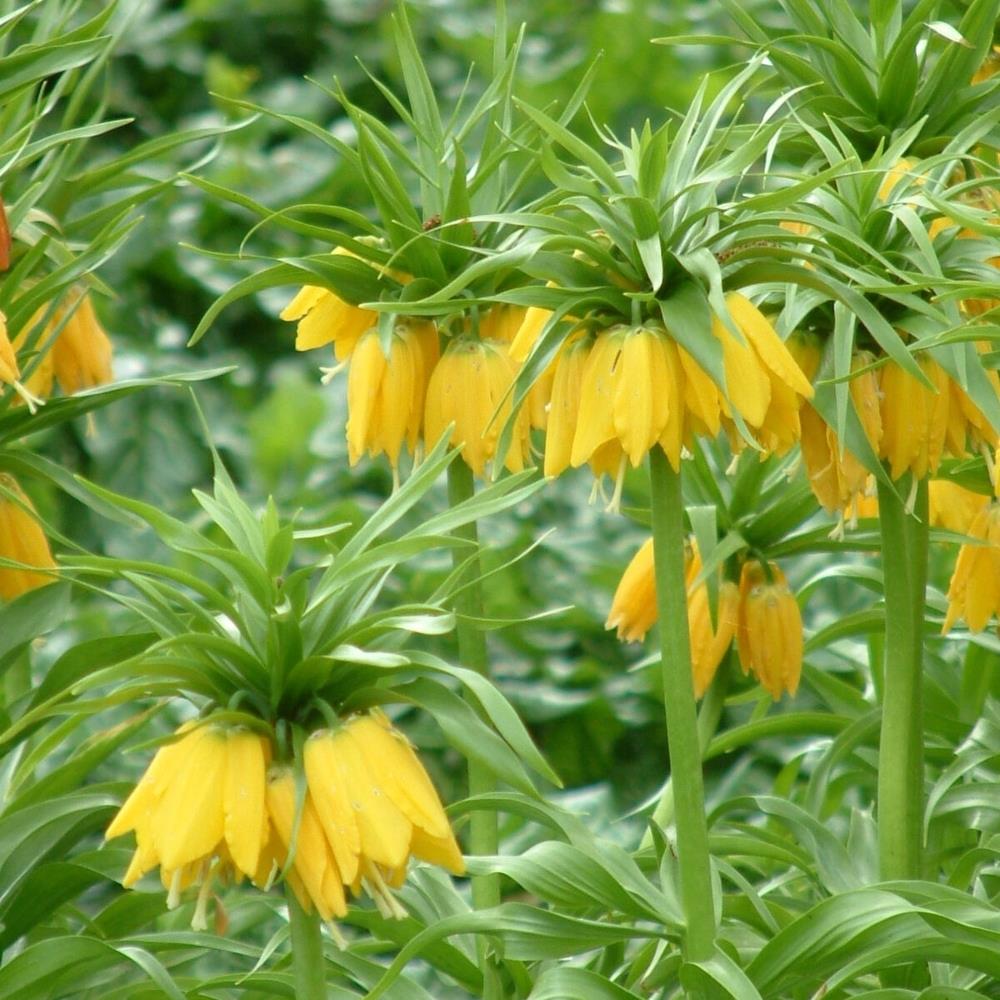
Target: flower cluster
[633, 611]
[908, 424]
[607, 399]
[214, 807]
[622, 391]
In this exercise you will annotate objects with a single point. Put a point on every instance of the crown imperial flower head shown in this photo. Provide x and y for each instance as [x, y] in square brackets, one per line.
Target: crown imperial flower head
[213, 807]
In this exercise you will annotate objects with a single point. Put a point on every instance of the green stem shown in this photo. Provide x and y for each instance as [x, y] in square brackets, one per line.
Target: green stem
[308, 964]
[901, 750]
[679, 705]
[709, 714]
[483, 835]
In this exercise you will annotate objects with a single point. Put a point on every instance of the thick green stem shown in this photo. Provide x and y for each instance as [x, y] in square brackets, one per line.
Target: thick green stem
[308, 964]
[678, 701]
[483, 835]
[901, 748]
[709, 714]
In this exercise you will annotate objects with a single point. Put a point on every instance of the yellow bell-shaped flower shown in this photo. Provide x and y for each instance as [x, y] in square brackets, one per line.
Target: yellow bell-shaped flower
[199, 811]
[470, 384]
[386, 393]
[914, 418]
[634, 612]
[81, 355]
[769, 629]
[21, 540]
[974, 590]
[323, 318]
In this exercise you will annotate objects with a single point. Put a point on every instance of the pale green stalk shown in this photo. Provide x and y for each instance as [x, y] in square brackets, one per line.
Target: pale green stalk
[679, 704]
[308, 964]
[901, 749]
[484, 836]
[709, 714]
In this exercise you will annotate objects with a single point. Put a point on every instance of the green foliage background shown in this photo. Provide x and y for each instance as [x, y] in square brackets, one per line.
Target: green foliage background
[591, 704]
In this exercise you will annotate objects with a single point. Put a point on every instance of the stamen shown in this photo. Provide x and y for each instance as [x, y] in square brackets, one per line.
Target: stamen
[199, 920]
[614, 505]
[338, 939]
[174, 895]
[30, 399]
[329, 374]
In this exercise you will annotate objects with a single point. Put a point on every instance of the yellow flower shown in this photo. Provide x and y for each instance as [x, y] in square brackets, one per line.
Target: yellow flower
[386, 395]
[974, 591]
[769, 629]
[702, 400]
[914, 418]
[21, 540]
[836, 475]
[633, 612]
[199, 811]
[10, 372]
[633, 608]
[325, 318]
[527, 333]
[376, 806]
[761, 372]
[314, 876]
[630, 392]
[507, 323]
[967, 424]
[472, 379]
[210, 807]
[564, 407]
[81, 355]
[953, 507]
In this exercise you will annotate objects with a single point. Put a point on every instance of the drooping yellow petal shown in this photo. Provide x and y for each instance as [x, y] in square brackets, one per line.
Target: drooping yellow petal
[21, 540]
[385, 831]
[333, 806]
[243, 798]
[188, 821]
[747, 385]
[633, 409]
[768, 345]
[669, 383]
[633, 607]
[595, 423]
[701, 394]
[364, 383]
[532, 324]
[399, 772]
[441, 851]
[565, 406]
[81, 355]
